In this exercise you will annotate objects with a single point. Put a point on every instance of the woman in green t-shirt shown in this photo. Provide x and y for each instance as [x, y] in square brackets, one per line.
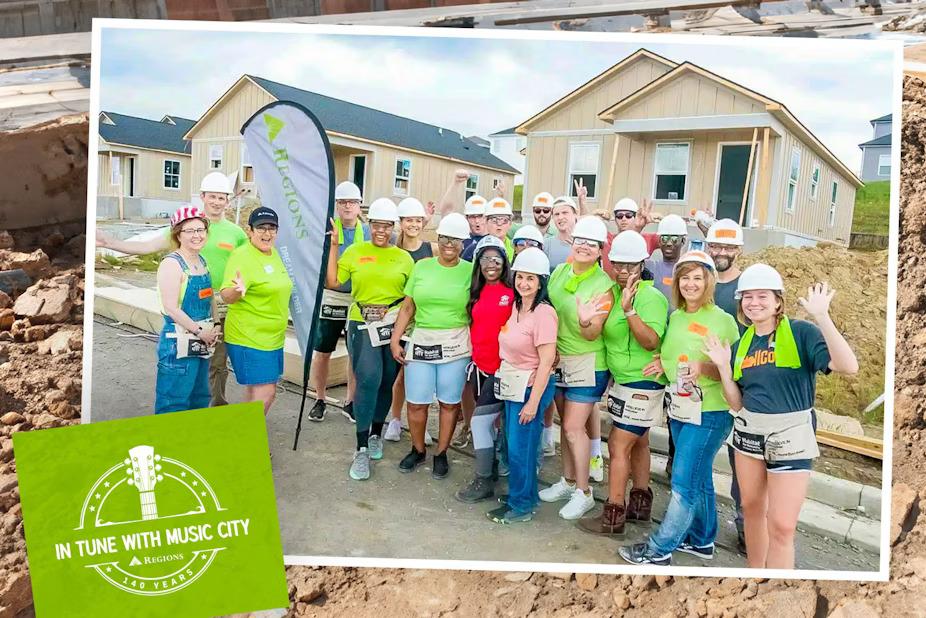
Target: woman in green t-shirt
[378, 271]
[439, 349]
[698, 414]
[631, 337]
[257, 288]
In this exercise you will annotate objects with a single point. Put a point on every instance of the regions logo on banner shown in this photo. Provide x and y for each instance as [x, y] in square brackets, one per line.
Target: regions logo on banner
[168, 515]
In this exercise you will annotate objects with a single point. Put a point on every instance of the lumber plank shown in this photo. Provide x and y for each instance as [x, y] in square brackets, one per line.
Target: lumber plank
[861, 445]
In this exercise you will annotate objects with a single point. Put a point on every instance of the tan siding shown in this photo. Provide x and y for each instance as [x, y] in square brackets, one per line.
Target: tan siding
[149, 174]
[104, 186]
[691, 95]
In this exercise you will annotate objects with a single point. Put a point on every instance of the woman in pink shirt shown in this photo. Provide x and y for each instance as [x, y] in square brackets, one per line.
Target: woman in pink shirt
[527, 347]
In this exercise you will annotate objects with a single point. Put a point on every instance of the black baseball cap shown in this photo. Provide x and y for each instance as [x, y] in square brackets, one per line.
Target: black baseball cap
[263, 215]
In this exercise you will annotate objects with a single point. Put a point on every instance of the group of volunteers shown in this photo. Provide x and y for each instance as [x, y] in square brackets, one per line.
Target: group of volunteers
[506, 328]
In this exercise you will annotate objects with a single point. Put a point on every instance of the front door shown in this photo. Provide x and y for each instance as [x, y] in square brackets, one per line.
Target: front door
[359, 170]
[731, 181]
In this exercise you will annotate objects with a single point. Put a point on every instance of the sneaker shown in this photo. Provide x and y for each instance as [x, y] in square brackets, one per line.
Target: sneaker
[579, 504]
[503, 499]
[549, 449]
[317, 413]
[428, 440]
[348, 412]
[463, 437]
[393, 431]
[639, 553]
[505, 516]
[561, 490]
[375, 447]
[479, 489]
[360, 468]
[412, 461]
[705, 553]
[596, 469]
[440, 467]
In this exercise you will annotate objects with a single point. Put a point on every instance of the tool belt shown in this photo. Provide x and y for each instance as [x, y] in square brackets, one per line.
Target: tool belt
[635, 406]
[376, 313]
[775, 437]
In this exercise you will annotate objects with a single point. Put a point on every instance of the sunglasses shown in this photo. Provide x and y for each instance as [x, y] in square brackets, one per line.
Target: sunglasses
[526, 241]
[671, 240]
[543, 211]
[491, 260]
[448, 240]
[499, 219]
[624, 214]
[587, 242]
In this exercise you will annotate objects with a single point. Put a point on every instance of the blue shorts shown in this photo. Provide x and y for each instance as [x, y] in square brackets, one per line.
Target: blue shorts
[793, 465]
[252, 366]
[587, 394]
[424, 381]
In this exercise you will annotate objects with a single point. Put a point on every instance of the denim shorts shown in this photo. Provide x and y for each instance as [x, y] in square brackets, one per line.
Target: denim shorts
[424, 381]
[587, 394]
[253, 366]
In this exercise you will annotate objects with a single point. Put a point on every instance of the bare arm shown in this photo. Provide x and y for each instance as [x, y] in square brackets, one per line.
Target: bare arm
[720, 354]
[406, 313]
[547, 354]
[331, 273]
[454, 193]
[643, 333]
[817, 304]
[132, 247]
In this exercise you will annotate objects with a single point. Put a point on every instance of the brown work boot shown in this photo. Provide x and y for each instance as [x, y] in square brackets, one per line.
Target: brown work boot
[611, 520]
[640, 504]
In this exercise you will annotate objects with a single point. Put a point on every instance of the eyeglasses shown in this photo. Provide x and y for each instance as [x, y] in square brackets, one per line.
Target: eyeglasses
[267, 228]
[381, 226]
[730, 249]
[448, 240]
[345, 203]
[499, 219]
[587, 242]
[622, 266]
[491, 260]
[196, 231]
[671, 240]
[624, 214]
[520, 242]
[543, 211]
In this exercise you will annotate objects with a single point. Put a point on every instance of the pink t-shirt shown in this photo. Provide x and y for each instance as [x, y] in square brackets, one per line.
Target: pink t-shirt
[518, 339]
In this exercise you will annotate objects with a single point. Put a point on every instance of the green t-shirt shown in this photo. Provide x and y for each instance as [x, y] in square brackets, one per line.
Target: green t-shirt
[569, 339]
[377, 274]
[626, 357]
[258, 320]
[440, 293]
[223, 238]
[685, 335]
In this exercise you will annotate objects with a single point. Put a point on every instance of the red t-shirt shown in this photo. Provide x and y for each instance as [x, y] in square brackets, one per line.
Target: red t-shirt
[652, 243]
[490, 313]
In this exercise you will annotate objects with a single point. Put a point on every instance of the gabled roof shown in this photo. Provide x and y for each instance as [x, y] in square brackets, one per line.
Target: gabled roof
[346, 118]
[884, 140]
[593, 82]
[511, 131]
[479, 141]
[144, 133]
[884, 118]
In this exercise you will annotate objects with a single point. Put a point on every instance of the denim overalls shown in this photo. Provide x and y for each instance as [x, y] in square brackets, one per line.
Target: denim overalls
[183, 383]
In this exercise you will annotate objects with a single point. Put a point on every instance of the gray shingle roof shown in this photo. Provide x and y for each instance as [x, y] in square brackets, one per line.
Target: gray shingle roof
[510, 131]
[885, 118]
[351, 119]
[884, 140]
[144, 133]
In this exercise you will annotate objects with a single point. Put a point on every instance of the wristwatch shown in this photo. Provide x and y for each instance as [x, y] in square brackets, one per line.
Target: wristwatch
[199, 331]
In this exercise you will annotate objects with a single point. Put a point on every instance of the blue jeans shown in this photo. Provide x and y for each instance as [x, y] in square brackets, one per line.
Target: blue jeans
[181, 383]
[691, 516]
[523, 442]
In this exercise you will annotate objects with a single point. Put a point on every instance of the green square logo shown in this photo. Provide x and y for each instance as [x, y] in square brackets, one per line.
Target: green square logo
[172, 515]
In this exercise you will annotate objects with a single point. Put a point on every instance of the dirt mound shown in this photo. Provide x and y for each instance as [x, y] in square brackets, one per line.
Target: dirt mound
[859, 310]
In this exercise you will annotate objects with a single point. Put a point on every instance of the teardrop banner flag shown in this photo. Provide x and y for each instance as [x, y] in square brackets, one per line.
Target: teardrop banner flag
[294, 171]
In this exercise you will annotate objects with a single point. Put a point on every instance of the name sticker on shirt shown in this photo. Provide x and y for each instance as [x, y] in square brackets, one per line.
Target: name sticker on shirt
[367, 259]
[667, 281]
[205, 293]
[268, 268]
[226, 246]
[698, 329]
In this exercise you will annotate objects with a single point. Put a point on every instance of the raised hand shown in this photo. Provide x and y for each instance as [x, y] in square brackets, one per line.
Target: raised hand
[240, 287]
[718, 351]
[460, 176]
[591, 309]
[335, 241]
[581, 190]
[430, 208]
[629, 292]
[500, 189]
[817, 303]
[644, 215]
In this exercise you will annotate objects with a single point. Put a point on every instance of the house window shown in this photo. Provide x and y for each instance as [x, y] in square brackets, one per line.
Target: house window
[814, 181]
[792, 179]
[115, 171]
[471, 183]
[583, 165]
[403, 174]
[215, 156]
[171, 174]
[671, 171]
[247, 170]
[884, 165]
[832, 218]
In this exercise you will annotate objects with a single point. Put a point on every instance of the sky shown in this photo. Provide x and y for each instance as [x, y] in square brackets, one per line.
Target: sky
[478, 86]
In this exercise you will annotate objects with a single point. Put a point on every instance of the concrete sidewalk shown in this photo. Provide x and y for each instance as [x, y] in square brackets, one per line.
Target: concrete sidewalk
[394, 515]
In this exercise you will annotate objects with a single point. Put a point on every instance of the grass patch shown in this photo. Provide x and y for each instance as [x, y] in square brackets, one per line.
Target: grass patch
[517, 197]
[140, 263]
[872, 208]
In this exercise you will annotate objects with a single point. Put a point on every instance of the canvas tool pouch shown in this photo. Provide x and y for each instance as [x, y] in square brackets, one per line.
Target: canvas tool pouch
[438, 345]
[188, 344]
[380, 331]
[335, 305]
[635, 406]
[578, 370]
[684, 409]
[776, 438]
[511, 382]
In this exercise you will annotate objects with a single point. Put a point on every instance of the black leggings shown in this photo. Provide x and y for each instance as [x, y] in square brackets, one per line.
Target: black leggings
[375, 371]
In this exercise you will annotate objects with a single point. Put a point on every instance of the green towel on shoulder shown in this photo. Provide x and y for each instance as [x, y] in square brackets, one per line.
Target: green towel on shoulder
[785, 348]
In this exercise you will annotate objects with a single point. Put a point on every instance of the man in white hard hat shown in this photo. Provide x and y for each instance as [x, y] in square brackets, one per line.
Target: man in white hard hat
[629, 216]
[498, 222]
[527, 236]
[475, 212]
[332, 323]
[673, 238]
[542, 209]
[565, 214]
[223, 238]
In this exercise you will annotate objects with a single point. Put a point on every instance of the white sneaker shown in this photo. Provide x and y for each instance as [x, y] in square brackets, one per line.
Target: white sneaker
[549, 449]
[579, 504]
[561, 490]
[428, 440]
[596, 468]
[393, 431]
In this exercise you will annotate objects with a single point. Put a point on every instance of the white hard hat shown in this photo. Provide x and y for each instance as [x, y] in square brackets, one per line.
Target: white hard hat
[543, 199]
[627, 204]
[499, 206]
[532, 260]
[568, 201]
[590, 227]
[453, 225]
[529, 232]
[489, 242]
[383, 209]
[628, 247]
[215, 182]
[672, 225]
[698, 257]
[475, 205]
[410, 207]
[725, 232]
[347, 191]
[759, 277]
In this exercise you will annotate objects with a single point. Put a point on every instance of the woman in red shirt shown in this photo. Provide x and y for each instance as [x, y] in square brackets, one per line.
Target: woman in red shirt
[491, 299]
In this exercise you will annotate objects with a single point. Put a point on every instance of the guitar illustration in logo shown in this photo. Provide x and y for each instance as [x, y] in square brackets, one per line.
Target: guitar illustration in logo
[141, 465]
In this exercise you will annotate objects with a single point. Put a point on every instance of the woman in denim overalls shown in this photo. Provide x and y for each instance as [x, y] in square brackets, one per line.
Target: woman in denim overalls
[185, 293]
